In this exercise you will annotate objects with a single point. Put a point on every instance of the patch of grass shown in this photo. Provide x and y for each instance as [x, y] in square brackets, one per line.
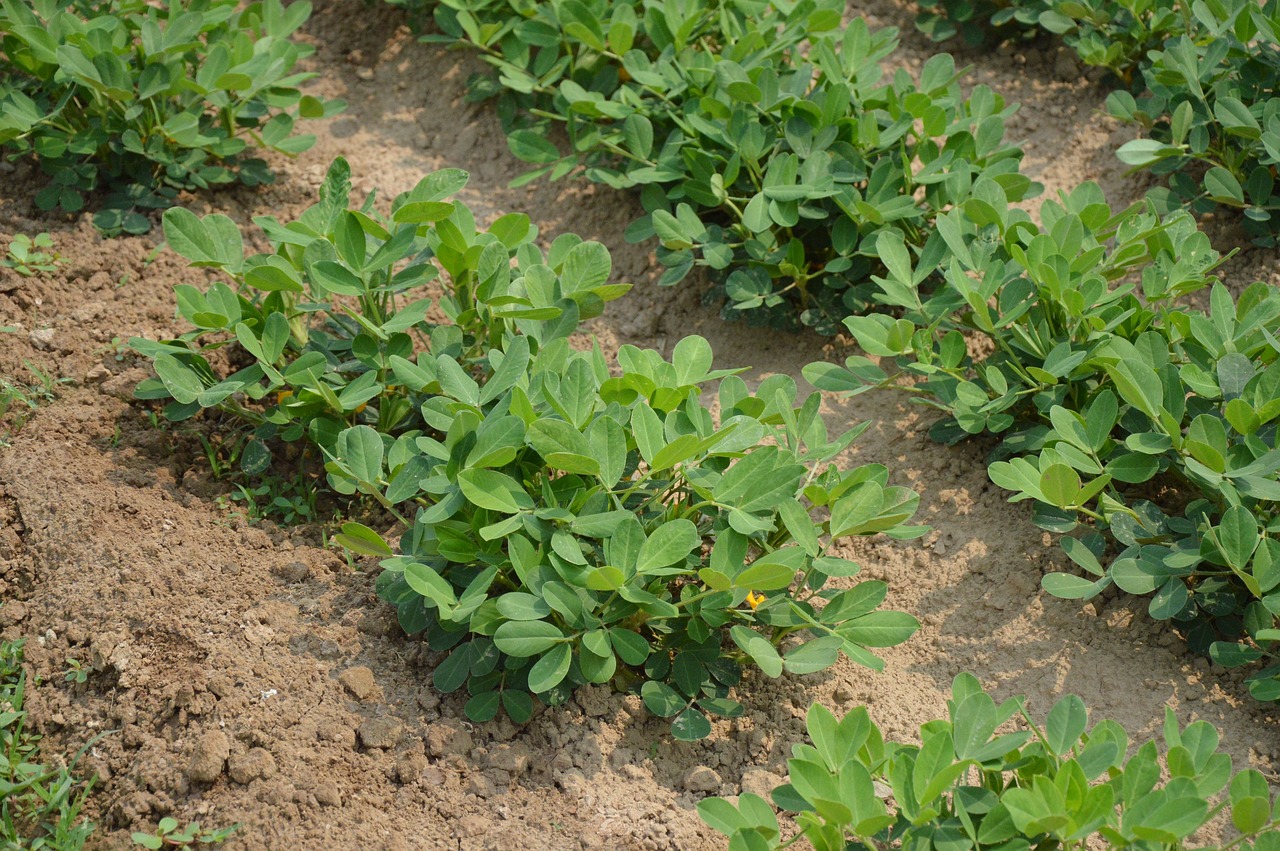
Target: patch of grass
[40, 805]
[18, 400]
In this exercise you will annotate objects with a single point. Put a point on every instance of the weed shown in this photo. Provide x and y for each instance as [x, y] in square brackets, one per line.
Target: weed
[170, 834]
[28, 255]
[76, 673]
[18, 401]
[40, 806]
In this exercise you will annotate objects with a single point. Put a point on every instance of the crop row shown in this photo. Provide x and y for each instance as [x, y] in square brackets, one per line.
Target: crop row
[568, 520]
[889, 206]
[1198, 78]
[131, 102]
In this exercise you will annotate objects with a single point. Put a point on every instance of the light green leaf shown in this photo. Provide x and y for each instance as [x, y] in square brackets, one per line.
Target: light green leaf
[494, 491]
[669, 544]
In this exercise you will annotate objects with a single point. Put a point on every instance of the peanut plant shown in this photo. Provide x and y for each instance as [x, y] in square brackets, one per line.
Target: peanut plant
[775, 167]
[562, 519]
[1105, 390]
[1059, 785]
[133, 101]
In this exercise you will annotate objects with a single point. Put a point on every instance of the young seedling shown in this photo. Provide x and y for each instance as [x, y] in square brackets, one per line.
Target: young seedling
[170, 834]
[29, 256]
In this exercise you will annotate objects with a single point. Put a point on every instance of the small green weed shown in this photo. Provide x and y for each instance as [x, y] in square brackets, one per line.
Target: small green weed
[287, 500]
[169, 834]
[40, 805]
[76, 672]
[18, 401]
[28, 255]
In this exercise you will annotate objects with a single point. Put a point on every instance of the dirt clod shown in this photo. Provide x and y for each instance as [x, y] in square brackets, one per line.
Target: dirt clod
[700, 778]
[448, 737]
[208, 757]
[360, 683]
[381, 733]
[759, 782]
[12, 612]
[326, 793]
[42, 338]
[292, 571]
[247, 767]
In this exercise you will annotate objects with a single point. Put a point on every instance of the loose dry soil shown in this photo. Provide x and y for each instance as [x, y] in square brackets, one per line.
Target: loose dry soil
[249, 675]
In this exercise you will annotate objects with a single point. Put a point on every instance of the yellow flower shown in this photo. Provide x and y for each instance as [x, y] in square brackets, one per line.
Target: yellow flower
[754, 600]
[282, 395]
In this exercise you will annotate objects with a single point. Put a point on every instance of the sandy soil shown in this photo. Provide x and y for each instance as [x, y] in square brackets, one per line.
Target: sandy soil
[250, 675]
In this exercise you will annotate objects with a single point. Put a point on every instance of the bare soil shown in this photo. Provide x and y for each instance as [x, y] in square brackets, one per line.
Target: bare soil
[249, 675]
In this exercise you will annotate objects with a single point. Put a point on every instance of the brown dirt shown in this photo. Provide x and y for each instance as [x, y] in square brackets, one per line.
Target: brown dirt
[250, 675]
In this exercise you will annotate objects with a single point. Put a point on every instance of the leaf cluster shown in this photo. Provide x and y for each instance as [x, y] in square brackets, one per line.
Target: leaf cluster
[1120, 410]
[140, 100]
[968, 785]
[566, 520]
[29, 255]
[1111, 34]
[1211, 115]
[764, 140]
[1198, 78]
[171, 834]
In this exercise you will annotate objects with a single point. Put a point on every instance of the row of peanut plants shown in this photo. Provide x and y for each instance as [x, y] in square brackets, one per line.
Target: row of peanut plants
[1198, 78]
[125, 103]
[1104, 388]
[567, 520]
[570, 521]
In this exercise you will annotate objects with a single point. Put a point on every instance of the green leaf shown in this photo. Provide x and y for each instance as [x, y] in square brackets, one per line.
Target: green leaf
[669, 544]
[691, 725]
[761, 651]
[361, 539]
[1223, 186]
[430, 584]
[1068, 586]
[360, 449]
[814, 655]
[880, 629]
[483, 708]
[211, 241]
[772, 571]
[523, 639]
[563, 447]
[631, 647]
[1238, 536]
[531, 147]
[518, 704]
[494, 491]
[692, 358]
[1066, 724]
[1060, 485]
[661, 699]
[550, 670]
[182, 383]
